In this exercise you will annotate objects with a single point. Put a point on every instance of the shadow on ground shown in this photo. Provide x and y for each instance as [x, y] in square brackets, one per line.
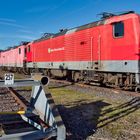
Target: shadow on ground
[82, 119]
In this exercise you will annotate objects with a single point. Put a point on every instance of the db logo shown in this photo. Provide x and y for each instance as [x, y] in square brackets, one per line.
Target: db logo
[49, 50]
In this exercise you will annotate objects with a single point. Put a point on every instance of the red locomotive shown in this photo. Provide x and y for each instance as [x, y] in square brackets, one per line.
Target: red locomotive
[106, 51]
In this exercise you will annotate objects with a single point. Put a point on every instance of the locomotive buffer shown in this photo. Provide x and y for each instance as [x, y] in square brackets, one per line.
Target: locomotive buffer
[49, 124]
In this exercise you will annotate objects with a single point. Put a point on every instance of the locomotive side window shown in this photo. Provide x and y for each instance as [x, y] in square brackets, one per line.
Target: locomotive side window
[118, 29]
[29, 48]
[19, 50]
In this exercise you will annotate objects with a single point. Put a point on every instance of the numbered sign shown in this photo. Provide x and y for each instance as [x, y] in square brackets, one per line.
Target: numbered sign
[9, 78]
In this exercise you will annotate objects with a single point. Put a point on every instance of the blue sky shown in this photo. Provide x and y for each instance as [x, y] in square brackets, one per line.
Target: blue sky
[26, 20]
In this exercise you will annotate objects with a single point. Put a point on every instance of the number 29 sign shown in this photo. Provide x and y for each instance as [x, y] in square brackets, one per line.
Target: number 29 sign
[9, 78]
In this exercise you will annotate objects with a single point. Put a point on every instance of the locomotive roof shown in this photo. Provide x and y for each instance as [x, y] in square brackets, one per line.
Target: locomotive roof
[16, 46]
[63, 32]
[104, 17]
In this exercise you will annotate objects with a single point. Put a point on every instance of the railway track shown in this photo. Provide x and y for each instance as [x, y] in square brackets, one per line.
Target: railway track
[12, 105]
[99, 88]
[11, 108]
[7, 102]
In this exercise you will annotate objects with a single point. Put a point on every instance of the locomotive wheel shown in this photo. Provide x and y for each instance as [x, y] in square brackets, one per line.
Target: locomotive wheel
[48, 73]
[19, 70]
[137, 89]
[76, 76]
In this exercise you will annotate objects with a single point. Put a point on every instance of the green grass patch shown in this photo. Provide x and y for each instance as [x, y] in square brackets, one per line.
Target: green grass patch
[67, 96]
[115, 117]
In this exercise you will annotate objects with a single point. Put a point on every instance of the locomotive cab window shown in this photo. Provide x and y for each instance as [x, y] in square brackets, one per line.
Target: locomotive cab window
[118, 29]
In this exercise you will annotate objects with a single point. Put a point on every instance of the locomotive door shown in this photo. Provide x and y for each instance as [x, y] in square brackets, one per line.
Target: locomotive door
[29, 54]
[25, 52]
[25, 57]
[95, 50]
